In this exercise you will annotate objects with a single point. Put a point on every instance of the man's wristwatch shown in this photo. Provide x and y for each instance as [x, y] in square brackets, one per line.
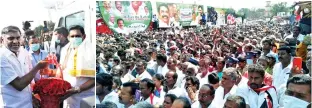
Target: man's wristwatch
[77, 89]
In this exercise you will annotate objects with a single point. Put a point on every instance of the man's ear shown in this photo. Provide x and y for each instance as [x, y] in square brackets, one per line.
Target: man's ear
[83, 37]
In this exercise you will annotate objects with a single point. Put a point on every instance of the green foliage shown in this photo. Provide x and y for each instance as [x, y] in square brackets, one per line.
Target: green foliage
[279, 7]
[38, 30]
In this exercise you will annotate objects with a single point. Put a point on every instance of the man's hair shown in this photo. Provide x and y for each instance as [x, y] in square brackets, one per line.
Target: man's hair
[212, 90]
[117, 81]
[105, 80]
[164, 5]
[107, 104]
[61, 30]
[143, 104]
[267, 41]
[200, 7]
[213, 78]
[139, 61]
[149, 83]
[186, 102]
[238, 100]
[298, 28]
[231, 72]
[29, 33]
[10, 29]
[257, 68]
[77, 27]
[172, 97]
[134, 87]
[286, 48]
[175, 76]
[194, 81]
[120, 20]
[300, 79]
[162, 57]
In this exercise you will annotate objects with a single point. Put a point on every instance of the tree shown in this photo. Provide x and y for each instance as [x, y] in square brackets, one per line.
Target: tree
[279, 7]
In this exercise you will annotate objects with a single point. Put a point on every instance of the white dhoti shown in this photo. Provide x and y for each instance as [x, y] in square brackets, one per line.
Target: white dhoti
[78, 67]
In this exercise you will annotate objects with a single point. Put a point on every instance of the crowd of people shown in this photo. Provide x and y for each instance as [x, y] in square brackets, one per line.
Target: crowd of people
[230, 66]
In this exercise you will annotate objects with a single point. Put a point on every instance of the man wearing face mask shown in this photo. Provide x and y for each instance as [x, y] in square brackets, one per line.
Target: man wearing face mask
[298, 92]
[78, 67]
[257, 94]
[36, 53]
[61, 33]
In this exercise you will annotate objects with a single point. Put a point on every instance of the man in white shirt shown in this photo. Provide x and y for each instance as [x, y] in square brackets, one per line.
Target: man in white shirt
[147, 87]
[111, 21]
[104, 92]
[192, 86]
[227, 87]
[141, 71]
[296, 34]
[282, 69]
[15, 91]
[163, 13]
[119, 8]
[234, 101]
[298, 92]
[170, 82]
[79, 67]
[121, 28]
[205, 97]
[162, 64]
[257, 94]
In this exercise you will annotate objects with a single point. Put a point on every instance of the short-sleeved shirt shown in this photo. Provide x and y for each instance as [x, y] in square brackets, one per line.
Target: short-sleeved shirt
[11, 68]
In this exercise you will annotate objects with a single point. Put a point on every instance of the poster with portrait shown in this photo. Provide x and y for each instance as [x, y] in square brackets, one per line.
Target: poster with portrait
[175, 14]
[126, 16]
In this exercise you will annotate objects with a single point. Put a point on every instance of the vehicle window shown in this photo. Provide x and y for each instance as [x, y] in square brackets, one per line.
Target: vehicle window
[61, 23]
[75, 19]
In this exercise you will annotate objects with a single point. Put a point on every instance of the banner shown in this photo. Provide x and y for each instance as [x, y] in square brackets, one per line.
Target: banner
[174, 14]
[126, 16]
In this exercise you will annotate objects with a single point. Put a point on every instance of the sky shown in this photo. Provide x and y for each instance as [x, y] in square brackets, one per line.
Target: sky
[13, 12]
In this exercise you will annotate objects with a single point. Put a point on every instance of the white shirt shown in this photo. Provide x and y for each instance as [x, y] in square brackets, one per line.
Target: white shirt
[152, 65]
[178, 92]
[46, 46]
[156, 100]
[203, 80]
[220, 98]
[123, 31]
[162, 70]
[144, 75]
[281, 95]
[127, 78]
[197, 105]
[243, 82]
[255, 100]
[12, 67]
[280, 76]
[299, 38]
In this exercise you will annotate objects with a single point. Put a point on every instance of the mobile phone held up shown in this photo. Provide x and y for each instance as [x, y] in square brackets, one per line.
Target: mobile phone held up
[297, 62]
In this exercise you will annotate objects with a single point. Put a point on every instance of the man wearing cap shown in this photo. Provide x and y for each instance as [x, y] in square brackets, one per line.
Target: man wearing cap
[231, 62]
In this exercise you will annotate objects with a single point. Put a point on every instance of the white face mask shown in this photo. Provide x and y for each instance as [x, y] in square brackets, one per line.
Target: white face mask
[293, 102]
[306, 10]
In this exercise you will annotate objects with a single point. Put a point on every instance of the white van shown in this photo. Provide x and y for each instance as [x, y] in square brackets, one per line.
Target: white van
[77, 12]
